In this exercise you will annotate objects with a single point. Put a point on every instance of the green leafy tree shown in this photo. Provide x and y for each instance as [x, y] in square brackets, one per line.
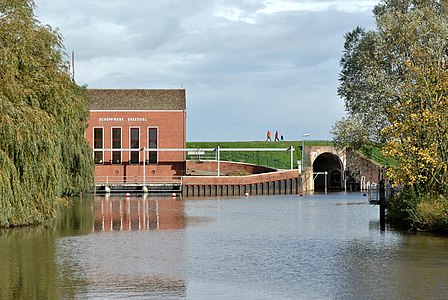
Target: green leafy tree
[361, 90]
[350, 132]
[394, 81]
[43, 113]
[415, 42]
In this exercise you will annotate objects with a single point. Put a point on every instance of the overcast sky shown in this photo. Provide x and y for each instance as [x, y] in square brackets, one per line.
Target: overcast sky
[247, 65]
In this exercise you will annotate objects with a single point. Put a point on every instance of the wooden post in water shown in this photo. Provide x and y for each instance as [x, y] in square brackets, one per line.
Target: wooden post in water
[300, 185]
[382, 205]
[299, 178]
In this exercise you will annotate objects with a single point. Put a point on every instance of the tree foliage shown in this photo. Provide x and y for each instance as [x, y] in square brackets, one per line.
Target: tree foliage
[417, 134]
[43, 113]
[394, 81]
[361, 89]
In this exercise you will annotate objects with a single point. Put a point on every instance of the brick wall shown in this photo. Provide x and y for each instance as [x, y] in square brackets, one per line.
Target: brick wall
[198, 167]
[171, 134]
[361, 166]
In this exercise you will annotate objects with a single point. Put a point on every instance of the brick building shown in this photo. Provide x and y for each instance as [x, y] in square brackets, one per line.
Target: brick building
[126, 126]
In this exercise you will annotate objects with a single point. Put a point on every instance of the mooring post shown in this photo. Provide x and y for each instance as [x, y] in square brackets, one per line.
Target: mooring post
[299, 178]
[326, 181]
[219, 161]
[144, 166]
[382, 205]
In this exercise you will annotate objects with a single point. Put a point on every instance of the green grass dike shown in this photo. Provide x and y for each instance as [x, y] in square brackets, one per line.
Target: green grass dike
[273, 159]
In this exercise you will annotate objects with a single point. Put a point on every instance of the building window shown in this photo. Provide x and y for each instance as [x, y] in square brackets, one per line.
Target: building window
[98, 145]
[135, 144]
[152, 144]
[116, 144]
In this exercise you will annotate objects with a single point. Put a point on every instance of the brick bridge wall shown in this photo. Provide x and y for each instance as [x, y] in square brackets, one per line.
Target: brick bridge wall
[271, 183]
[211, 167]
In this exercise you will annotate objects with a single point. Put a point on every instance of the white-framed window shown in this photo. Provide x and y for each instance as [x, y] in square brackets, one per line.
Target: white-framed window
[134, 142]
[116, 142]
[98, 145]
[153, 143]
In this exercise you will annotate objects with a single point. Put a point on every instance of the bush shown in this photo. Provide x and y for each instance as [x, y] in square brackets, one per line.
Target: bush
[431, 213]
[427, 212]
[399, 207]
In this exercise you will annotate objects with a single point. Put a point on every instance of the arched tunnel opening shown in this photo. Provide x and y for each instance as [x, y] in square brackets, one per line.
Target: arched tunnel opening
[330, 163]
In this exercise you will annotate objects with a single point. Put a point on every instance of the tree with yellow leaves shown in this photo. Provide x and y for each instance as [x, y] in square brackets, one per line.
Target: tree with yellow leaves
[395, 82]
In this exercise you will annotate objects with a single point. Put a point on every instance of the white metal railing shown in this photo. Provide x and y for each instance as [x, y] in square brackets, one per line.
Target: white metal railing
[198, 151]
[373, 192]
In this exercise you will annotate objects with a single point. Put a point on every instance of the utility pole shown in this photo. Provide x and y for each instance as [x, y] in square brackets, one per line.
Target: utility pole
[303, 148]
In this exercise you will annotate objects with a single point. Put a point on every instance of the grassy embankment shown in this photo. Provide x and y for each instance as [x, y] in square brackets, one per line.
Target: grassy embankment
[279, 160]
[374, 153]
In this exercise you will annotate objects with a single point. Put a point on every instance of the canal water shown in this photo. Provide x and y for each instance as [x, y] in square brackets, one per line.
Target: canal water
[262, 247]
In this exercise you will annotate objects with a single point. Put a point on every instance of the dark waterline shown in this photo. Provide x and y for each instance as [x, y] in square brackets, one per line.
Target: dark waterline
[265, 247]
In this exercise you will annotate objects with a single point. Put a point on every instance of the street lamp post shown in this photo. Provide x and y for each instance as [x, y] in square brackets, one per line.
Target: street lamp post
[303, 148]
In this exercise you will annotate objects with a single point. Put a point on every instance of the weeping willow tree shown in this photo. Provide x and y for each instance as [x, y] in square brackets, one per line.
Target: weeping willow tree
[43, 117]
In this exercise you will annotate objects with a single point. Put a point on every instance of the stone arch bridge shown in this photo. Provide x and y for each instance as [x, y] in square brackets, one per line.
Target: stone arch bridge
[324, 168]
[330, 168]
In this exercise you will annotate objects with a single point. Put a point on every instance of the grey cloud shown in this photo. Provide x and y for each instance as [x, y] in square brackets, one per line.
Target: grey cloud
[241, 77]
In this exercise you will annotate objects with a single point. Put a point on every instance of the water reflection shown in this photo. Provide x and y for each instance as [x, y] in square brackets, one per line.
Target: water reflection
[137, 245]
[266, 247]
[27, 264]
[120, 213]
[98, 246]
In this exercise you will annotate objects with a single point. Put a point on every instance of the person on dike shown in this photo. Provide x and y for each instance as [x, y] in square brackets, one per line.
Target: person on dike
[268, 136]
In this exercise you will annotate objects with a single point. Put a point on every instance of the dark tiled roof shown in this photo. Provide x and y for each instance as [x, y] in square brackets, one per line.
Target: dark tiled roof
[136, 99]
